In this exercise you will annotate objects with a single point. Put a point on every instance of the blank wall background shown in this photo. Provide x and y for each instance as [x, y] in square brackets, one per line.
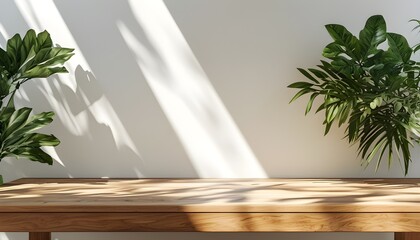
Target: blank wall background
[191, 88]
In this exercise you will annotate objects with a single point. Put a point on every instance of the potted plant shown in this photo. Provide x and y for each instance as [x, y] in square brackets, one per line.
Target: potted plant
[371, 84]
[34, 56]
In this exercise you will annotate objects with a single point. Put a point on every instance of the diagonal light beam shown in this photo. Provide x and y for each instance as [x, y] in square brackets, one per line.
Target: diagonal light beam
[41, 15]
[208, 133]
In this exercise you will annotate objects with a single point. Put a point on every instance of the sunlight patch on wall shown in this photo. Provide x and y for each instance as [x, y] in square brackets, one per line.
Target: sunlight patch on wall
[4, 35]
[41, 15]
[45, 15]
[208, 133]
[76, 123]
[3, 236]
[105, 114]
[100, 109]
[53, 153]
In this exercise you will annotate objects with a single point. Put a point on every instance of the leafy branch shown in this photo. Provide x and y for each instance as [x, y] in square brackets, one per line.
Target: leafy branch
[375, 92]
[34, 56]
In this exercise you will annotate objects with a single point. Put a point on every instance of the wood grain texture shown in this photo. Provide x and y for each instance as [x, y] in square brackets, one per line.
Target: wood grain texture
[39, 236]
[210, 222]
[211, 195]
[211, 205]
[407, 236]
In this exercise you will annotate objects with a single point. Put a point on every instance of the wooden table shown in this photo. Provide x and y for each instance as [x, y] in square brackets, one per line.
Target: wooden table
[42, 206]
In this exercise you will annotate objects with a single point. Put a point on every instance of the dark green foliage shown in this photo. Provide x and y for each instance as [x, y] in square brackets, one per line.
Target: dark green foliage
[373, 90]
[34, 56]
[416, 47]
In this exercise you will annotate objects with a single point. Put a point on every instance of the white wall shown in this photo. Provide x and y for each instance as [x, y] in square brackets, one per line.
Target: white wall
[191, 88]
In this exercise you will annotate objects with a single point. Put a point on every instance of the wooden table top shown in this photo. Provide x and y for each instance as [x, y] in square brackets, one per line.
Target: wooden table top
[211, 195]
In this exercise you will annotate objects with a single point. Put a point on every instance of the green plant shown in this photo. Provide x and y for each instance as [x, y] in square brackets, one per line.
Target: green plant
[34, 56]
[371, 84]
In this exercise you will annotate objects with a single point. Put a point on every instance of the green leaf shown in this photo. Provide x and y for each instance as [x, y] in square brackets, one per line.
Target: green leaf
[17, 119]
[378, 162]
[300, 85]
[28, 61]
[346, 112]
[372, 105]
[5, 60]
[328, 69]
[399, 47]
[331, 101]
[47, 62]
[17, 138]
[366, 144]
[53, 56]
[33, 140]
[318, 73]
[331, 113]
[7, 111]
[320, 108]
[300, 93]
[5, 86]
[29, 40]
[343, 66]
[43, 72]
[33, 154]
[376, 148]
[353, 128]
[416, 48]
[397, 106]
[35, 122]
[344, 38]
[41, 140]
[44, 40]
[13, 50]
[308, 75]
[332, 50]
[415, 20]
[372, 35]
[29, 43]
[327, 128]
[310, 102]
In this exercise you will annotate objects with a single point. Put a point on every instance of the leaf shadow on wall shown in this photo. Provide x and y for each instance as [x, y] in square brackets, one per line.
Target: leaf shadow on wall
[109, 125]
[88, 128]
[191, 124]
